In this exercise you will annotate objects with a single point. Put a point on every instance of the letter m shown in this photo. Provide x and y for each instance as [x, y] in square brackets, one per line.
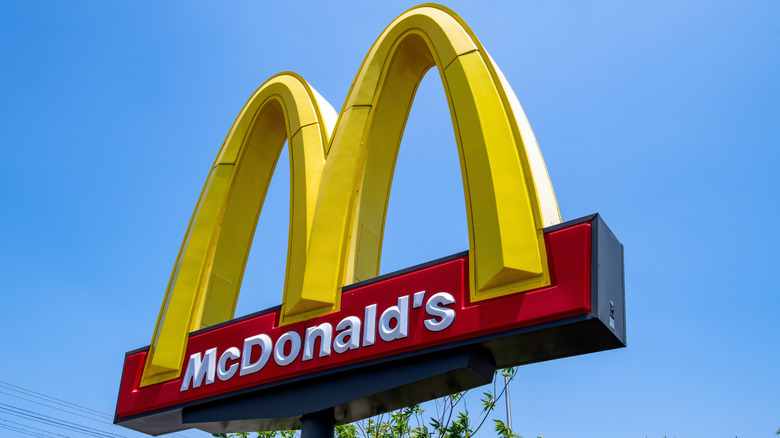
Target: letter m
[198, 369]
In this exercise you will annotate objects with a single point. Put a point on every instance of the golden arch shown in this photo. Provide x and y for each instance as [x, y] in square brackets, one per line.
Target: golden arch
[341, 175]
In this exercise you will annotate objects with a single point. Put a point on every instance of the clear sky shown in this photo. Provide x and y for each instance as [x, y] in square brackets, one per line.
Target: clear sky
[663, 116]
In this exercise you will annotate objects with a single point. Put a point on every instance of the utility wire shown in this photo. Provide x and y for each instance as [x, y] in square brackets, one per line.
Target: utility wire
[55, 400]
[56, 424]
[26, 432]
[42, 418]
[101, 420]
[104, 418]
[30, 429]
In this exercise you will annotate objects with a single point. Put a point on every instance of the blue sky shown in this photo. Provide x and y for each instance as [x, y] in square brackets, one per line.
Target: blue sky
[662, 116]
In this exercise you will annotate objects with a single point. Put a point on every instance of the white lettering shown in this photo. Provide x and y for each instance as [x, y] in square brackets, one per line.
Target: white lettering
[400, 314]
[196, 372]
[369, 329]
[392, 324]
[295, 347]
[418, 299]
[434, 307]
[351, 330]
[264, 341]
[323, 331]
[224, 373]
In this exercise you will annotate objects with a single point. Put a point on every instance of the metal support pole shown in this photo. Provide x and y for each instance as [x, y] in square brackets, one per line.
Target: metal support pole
[318, 425]
[508, 407]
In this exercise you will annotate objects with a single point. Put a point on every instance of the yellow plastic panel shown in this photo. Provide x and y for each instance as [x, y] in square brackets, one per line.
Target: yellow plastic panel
[305, 178]
[240, 214]
[367, 229]
[437, 24]
[207, 276]
[540, 177]
[324, 270]
[288, 89]
[383, 139]
[173, 324]
[505, 242]
[504, 222]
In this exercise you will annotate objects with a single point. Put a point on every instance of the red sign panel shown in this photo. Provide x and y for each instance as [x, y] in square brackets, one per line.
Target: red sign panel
[410, 311]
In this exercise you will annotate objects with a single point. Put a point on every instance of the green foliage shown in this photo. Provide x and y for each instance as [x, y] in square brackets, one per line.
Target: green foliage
[280, 434]
[346, 431]
[451, 419]
[503, 431]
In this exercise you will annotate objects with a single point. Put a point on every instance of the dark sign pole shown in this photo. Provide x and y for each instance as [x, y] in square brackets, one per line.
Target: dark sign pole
[318, 425]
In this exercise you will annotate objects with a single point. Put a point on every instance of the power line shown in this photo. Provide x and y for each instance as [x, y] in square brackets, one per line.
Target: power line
[70, 408]
[55, 400]
[17, 427]
[13, 429]
[56, 424]
[42, 418]
[54, 407]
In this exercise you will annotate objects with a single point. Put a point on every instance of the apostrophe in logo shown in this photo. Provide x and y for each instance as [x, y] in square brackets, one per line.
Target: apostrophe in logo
[341, 169]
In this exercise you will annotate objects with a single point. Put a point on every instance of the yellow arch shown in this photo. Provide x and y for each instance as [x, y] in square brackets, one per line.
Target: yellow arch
[206, 278]
[509, 198]
[340, 183]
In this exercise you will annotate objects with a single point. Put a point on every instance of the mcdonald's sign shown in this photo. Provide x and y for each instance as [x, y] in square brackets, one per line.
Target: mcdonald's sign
[344, 341]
